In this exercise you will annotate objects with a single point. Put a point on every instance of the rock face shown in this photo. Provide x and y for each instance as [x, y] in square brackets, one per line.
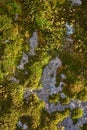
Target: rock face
[49, 85]
[49, 74]
[49, 88]
[76, 2]
[33, 43]
[68, 123]
[49, 78]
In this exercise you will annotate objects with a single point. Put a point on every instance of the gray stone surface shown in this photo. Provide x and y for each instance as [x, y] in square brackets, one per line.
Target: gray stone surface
[49, 80]
[49, 88]
[22, 126]
[49, 85]
[14, 80]
[76, 2]
[68, 124]
[33, 43]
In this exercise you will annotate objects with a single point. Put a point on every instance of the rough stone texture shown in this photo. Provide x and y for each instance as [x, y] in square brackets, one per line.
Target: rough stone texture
[74, 104]
[24, 60]
[22, 126]
[33, 43]
[14, 80]
[76, 2]
[49, 85]
[49, 74]
[68, 123]
[53, 107]
[48, 81]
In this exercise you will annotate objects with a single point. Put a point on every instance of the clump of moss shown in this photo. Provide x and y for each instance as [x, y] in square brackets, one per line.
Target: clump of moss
[84, 127]
[54, 98]
[77, 113]
[82, 95]
[64, 101]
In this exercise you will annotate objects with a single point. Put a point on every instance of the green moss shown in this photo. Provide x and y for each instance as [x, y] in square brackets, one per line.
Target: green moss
[84, 127]
[82, 95]
[54, 98]
[51, 120]
[10, 120]
[77, 113]
[64, 101]
[59, 116]
[5, 22]
[48, 18]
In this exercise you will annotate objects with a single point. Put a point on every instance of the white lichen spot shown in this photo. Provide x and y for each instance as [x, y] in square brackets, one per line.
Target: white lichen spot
[62, 95]
[63, 76]
[69, 30]
[7, 41]
[16, 17]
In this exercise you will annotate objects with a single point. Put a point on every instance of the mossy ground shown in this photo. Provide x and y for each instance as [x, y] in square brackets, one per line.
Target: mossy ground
[49, 18]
